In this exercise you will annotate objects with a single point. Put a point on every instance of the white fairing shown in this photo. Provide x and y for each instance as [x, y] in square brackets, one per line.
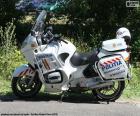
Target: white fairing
[56, 49]
[47, 58]
[27, 50]
[70, 49]
[51, 53]
[23, 70]
[114, 44]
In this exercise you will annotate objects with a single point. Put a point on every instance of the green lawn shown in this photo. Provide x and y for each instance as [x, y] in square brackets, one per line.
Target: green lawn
[132, 90]
[5, 86]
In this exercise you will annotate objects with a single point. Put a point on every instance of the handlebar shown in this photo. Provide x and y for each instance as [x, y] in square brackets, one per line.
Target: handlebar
[57, 38]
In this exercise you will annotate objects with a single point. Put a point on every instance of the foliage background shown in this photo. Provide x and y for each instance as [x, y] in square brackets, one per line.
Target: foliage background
[98, 20]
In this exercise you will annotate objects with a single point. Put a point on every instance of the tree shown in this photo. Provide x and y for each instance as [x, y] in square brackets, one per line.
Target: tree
[7, 11]
[101, 19]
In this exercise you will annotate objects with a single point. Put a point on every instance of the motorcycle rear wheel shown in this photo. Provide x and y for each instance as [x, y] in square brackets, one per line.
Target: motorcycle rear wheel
[110, 93]
[21, 89]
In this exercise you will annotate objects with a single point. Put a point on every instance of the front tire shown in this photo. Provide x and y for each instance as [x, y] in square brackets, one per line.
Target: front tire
[110, 93]
[22, 89]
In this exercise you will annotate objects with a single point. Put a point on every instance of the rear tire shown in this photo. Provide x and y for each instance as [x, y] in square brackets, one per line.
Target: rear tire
[101, 93]
[22, 90]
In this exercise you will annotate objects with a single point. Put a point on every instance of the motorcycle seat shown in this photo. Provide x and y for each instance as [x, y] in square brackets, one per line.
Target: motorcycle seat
[79, 59]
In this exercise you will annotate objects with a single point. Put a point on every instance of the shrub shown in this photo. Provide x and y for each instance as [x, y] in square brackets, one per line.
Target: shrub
[8, 11]
[10, 57]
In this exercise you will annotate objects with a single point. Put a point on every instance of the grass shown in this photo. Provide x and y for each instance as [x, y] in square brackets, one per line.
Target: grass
[132, 90]
[5, 86]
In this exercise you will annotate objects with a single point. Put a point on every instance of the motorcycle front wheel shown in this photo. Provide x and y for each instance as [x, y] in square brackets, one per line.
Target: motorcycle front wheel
[23, 87]
[110, 93]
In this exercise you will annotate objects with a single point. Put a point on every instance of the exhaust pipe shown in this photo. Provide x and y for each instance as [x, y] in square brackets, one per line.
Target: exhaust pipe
[94, 85]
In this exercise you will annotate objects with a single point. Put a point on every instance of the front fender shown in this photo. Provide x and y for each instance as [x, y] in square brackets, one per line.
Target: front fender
[23, 70]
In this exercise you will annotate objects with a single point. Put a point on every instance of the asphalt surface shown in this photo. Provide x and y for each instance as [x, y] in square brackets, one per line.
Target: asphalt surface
[51, 106]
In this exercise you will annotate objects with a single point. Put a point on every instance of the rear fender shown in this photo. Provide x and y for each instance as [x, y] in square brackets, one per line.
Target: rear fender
[23, 70]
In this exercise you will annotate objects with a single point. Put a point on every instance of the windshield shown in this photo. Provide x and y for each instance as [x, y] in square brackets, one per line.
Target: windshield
[39, 24]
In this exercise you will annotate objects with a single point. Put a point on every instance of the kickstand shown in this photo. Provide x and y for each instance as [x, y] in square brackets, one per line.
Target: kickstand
[108, 102]
[64, 93]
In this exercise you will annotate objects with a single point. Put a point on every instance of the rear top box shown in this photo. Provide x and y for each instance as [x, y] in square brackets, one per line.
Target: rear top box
[114, 44]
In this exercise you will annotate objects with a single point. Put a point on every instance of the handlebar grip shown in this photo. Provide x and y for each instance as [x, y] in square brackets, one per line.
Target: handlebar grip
[51, 40]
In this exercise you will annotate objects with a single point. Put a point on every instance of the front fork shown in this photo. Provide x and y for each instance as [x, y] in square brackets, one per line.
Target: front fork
[40, 74]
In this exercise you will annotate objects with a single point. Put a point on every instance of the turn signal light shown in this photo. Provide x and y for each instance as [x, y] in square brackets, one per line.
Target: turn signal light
[34, 45]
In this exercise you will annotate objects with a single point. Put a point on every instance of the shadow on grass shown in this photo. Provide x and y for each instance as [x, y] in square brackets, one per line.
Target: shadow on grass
[70, 98]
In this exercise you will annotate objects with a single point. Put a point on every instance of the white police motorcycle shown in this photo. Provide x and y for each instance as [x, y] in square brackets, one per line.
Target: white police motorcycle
[60, 68]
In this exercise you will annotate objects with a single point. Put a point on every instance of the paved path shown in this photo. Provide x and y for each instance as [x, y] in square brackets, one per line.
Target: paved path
[52, 107]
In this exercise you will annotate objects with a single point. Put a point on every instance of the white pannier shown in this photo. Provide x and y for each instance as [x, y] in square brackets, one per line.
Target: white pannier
[112, 67]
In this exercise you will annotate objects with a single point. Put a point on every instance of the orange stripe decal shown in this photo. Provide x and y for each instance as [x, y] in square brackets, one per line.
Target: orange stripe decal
[109, 62]
[117, 58]
[21, 73]
[25, 72]
[47, 63]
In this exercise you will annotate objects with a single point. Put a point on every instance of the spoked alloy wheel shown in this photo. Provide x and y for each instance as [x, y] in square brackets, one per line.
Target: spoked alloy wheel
[24, 87]
[110, 93]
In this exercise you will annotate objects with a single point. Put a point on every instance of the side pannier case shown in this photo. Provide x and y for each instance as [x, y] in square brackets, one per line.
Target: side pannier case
[112, 67]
